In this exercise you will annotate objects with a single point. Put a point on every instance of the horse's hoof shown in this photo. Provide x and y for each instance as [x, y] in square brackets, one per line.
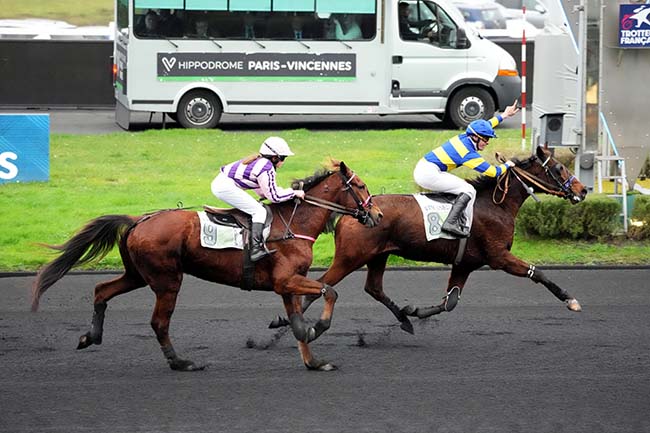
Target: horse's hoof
[573, 305]
[279, 322]
[321, 366]
[409, 310]
[84, 341]
[452, 298]
[310, 335]
[407, 326]
[184, 365]
[327, 367]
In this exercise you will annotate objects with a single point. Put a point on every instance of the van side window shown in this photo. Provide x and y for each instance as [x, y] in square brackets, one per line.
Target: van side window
[264, 25]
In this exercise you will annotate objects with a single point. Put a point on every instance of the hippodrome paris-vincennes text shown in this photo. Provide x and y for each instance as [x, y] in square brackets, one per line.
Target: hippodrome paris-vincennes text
[267, 65]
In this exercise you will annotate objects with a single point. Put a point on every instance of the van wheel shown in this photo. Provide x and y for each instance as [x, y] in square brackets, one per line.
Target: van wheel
[199, 109]
[467, 105]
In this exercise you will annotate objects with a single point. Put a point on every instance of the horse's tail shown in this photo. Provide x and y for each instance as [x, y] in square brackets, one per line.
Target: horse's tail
[92, 242]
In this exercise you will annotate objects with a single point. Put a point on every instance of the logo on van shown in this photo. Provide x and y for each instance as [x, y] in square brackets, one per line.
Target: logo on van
[169, 63]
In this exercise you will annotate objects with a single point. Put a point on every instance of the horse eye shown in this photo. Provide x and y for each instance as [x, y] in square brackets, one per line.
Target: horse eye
[557, 168]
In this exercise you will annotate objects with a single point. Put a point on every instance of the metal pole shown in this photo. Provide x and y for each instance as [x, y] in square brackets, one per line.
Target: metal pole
[523, 79]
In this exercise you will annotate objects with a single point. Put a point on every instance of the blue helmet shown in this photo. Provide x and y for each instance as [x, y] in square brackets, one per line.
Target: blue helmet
[482, 128]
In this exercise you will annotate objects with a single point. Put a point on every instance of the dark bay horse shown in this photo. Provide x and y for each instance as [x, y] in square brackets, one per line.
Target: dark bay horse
[158, 248]
[402, 233]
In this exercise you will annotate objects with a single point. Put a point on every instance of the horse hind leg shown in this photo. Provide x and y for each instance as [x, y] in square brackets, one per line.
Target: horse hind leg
[457, 281]
[103, 293]
[375, 287]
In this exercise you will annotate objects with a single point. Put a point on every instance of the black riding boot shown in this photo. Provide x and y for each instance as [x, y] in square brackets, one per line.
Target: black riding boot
[258, 249]
[452, 223]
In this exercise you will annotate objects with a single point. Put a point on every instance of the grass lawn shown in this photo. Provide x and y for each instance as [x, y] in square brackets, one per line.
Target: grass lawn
[77, 12]
[134, 173]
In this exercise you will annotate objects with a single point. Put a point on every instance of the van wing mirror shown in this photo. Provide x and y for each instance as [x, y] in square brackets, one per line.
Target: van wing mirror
[461, 38]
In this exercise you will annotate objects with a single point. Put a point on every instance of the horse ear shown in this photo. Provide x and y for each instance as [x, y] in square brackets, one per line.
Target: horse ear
[343, 168]
[541, 152]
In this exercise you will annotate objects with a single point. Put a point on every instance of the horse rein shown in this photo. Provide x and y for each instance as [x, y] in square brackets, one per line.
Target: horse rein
[360, 213]
[563, 192]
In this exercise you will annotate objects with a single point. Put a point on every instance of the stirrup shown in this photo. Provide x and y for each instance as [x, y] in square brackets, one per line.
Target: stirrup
[462, 232]
[260, 254]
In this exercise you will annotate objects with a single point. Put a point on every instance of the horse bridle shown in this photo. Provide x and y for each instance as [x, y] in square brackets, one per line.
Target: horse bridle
[361, 212]
[554, 173]
[561, 189]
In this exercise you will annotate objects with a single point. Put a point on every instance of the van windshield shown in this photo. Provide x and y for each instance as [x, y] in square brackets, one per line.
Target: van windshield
[431, 23]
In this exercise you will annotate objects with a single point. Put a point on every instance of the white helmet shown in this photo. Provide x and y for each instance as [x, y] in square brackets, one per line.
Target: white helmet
[275, 146]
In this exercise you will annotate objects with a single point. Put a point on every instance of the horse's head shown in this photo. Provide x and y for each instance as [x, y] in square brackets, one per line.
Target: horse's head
[343, 187]
[552, 177]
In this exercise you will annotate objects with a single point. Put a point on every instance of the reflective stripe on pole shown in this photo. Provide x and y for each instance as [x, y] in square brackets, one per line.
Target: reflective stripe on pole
[523, 79]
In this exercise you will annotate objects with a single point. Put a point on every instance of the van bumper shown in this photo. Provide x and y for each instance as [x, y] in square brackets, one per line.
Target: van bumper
[507, 89]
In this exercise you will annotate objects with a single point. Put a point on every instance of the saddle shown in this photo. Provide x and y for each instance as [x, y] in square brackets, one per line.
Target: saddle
[434, 215]
[238, 219]
[442, 197]
[234, 217]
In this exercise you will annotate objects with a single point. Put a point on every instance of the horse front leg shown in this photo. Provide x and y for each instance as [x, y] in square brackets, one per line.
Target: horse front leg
[455, 285]
[301, 332]
[339, 269]
[518, 267]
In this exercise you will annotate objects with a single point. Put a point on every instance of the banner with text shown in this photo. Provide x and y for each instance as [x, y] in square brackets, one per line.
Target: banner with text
[634, 26]
[256, 67]
[24, 147]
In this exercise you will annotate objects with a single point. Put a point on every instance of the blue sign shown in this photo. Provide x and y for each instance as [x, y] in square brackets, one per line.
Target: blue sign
[24, 147]
[634, 26]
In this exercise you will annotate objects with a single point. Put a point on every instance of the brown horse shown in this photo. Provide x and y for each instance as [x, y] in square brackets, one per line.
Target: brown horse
[158, 248]
[402, 233]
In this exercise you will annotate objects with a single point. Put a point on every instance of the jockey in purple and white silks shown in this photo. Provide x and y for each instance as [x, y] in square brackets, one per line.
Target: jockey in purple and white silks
[256, 172]
[432, 172]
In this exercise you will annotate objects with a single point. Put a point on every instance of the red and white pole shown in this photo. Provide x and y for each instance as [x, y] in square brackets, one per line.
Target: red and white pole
[523, 79]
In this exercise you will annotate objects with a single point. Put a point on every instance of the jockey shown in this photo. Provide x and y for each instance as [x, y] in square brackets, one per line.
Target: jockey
[433, 170]
[255, 172]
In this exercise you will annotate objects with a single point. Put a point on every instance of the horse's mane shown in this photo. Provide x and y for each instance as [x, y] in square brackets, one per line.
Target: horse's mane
[483, 182]
[319, 175]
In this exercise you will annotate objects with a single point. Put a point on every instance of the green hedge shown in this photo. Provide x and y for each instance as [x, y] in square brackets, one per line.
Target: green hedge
[640, 214]
[595, 218]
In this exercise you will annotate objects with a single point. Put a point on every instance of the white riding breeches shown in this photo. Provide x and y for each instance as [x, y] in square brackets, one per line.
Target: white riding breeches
[429, 176]
[224, 188]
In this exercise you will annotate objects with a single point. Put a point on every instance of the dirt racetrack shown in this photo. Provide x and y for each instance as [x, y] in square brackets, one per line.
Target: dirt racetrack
[510, 358]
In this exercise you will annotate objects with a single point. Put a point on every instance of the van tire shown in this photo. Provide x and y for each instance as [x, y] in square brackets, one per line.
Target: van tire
[199, 109]
[467, 105]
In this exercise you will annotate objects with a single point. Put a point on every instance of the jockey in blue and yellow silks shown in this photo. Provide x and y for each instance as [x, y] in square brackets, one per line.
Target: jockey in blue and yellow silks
[433, 170]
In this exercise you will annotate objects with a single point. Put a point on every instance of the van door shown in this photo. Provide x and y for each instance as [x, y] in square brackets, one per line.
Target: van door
[425, 56]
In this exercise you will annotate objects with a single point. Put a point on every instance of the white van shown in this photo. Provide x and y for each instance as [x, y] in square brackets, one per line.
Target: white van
[197, 59]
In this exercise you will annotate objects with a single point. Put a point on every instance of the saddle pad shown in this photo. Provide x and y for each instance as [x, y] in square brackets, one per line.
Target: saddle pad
[217, 236]
[434, 214]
